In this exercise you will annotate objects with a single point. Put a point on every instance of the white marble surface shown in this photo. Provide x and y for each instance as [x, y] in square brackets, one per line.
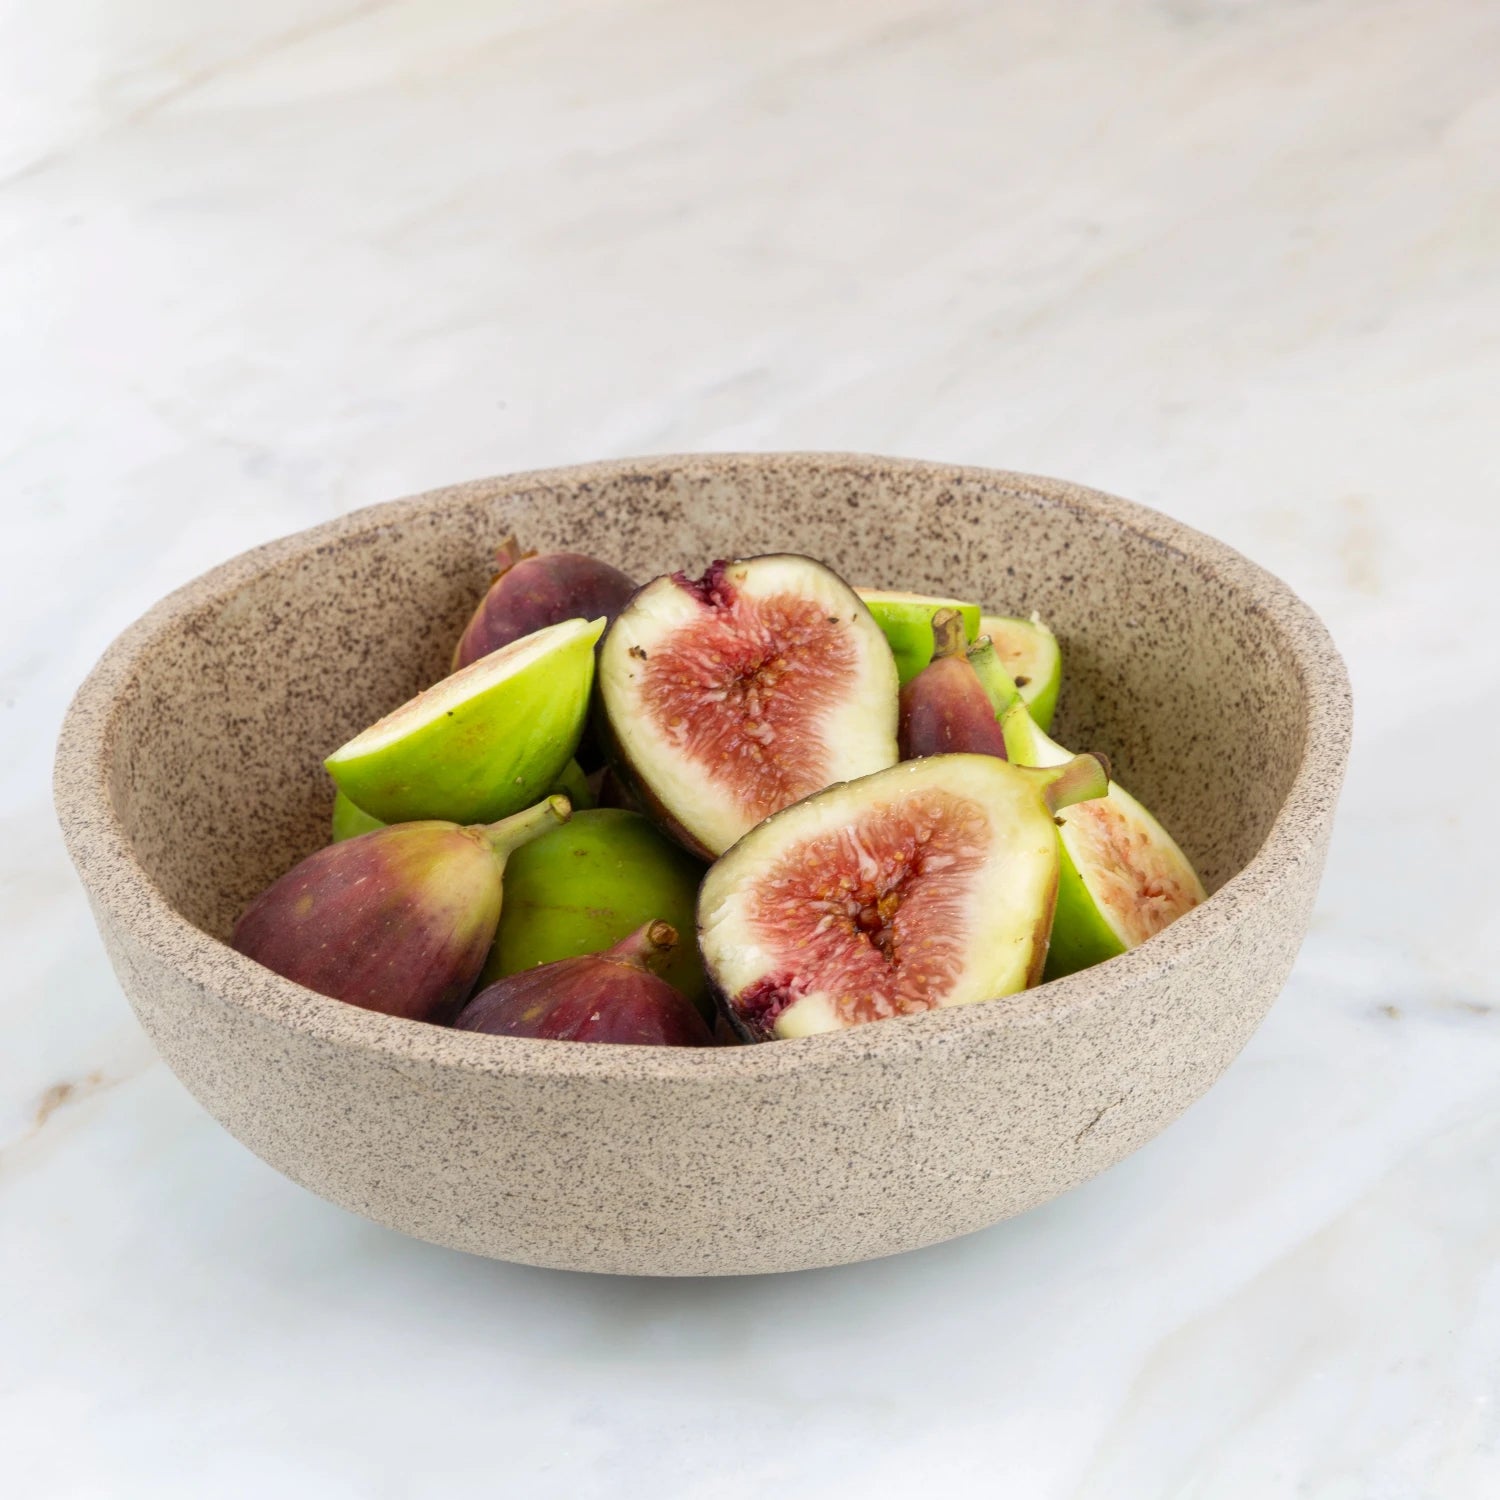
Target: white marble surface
[259, 264]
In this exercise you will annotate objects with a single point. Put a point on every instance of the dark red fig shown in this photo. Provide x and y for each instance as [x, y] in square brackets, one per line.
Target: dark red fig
[614, 996]
[944, 708]
[531, 591]
[398, 920]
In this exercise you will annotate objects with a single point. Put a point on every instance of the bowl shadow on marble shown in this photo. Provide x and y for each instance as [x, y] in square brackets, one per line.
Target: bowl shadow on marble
[188, 776]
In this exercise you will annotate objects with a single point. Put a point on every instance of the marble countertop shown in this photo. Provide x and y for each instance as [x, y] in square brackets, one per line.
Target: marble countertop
[1241, 261]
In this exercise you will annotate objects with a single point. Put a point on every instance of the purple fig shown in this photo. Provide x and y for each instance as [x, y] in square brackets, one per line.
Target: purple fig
[398, 920]
[944, 708]
[531, 591]
[614, 996]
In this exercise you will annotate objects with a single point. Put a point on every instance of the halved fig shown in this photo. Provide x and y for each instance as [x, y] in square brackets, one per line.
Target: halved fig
[728, 697]
[1122, 877]
[930, 884]
[1029, 653]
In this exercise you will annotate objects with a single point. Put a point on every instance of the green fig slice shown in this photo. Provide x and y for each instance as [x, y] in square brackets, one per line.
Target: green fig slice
[907, 619]
[396, 920]
[482, 743]
[1122, 877]
[927, 885]
[1029, 653]
[729, 696]
[583, 887]
[350, 821]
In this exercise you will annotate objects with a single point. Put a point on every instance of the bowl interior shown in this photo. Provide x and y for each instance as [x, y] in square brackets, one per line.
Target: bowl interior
[239, 689]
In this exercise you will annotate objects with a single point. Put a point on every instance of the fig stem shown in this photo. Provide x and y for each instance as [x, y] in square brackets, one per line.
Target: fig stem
[508, 554]
[648, 947]
[999, 687]
[1081, 779]
[506, 836]
[948, 635]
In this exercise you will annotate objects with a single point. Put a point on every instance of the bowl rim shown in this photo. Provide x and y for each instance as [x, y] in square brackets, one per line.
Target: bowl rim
[114, 880]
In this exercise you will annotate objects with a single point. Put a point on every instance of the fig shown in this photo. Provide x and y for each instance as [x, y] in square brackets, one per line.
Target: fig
[907, 619]
[1122, 877]
[349, 820]
[396, 920]
[945, 708]
[480, 744]
[1029, 653]
[580, 888]
[614, 996]
[728, 696]
[529, 592]
[930, 884]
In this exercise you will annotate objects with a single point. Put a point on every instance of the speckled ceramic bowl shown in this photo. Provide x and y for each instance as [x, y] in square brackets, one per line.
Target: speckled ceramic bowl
[188, 777]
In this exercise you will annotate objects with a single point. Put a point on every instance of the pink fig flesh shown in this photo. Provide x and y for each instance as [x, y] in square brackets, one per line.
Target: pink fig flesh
[532, 591]
[614, 996]
[944, 708]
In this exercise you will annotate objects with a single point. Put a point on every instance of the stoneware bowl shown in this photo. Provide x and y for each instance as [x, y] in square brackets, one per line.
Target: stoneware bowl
[188, 776]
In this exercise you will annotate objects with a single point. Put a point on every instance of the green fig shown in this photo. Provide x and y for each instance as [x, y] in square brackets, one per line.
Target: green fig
[1029, 653]
[907, 619]
[396, 920]
[482, 743]
[1122, 878]
[584, 887]
[349, 821]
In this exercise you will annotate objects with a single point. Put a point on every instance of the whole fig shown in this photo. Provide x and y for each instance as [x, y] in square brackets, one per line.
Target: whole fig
[396, 920]
[614, 996]
[530, 591]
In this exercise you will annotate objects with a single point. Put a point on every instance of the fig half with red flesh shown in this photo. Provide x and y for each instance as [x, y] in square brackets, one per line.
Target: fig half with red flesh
[944, 708]
[930, 884]
[730, 696]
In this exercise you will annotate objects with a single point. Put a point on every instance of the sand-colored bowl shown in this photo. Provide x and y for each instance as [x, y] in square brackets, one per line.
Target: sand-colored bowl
[188, 776]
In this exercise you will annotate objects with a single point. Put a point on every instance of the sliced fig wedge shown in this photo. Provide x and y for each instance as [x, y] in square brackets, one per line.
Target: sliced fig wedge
[730, 696]
[930, 884]
[1029, 653]
[1122, 878]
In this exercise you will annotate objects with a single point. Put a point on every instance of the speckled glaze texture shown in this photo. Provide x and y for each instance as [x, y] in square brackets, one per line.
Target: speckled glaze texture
[188, 777]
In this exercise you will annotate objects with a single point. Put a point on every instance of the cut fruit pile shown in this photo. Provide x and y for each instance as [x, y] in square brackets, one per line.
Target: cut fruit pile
[848, 796]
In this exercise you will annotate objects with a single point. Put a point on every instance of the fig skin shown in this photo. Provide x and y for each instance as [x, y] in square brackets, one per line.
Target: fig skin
[581, 888]
[945, 709]
[397, 920]
[350, 820]
[531, 590]
[615, 996]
